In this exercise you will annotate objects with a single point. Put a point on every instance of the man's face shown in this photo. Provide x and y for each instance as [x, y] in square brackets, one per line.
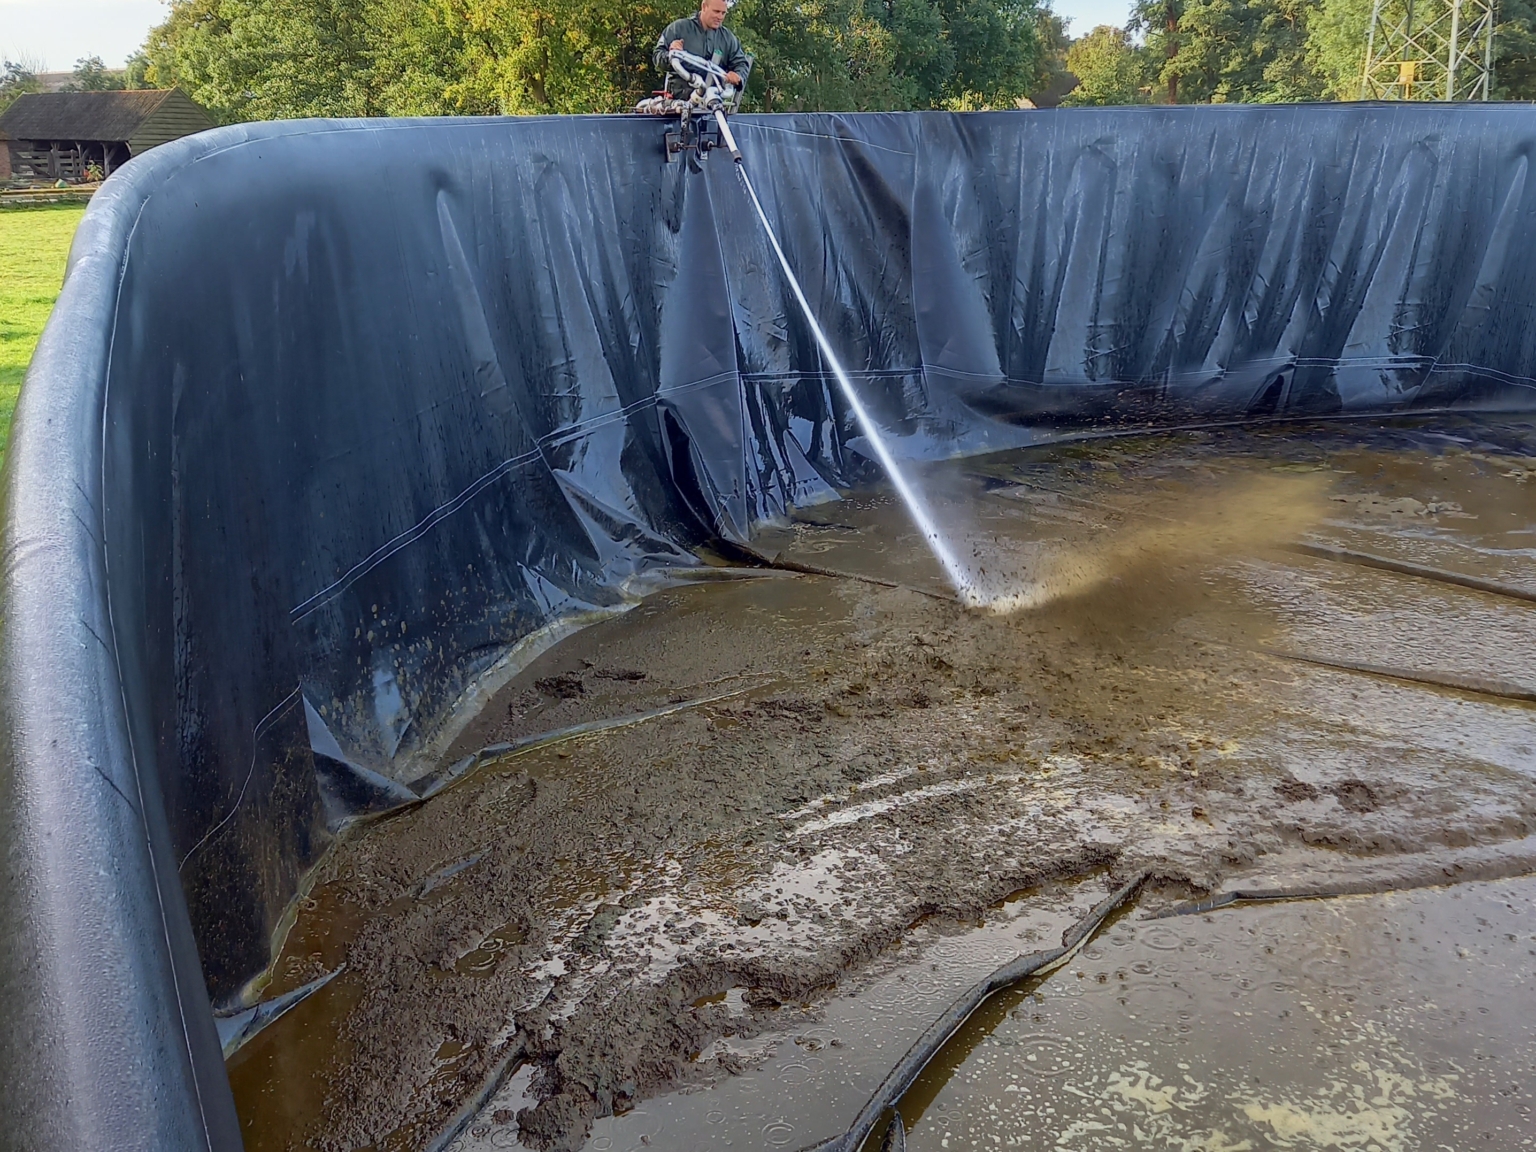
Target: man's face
[712, 14]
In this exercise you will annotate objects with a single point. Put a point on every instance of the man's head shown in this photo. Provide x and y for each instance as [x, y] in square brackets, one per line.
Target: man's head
[712, 13]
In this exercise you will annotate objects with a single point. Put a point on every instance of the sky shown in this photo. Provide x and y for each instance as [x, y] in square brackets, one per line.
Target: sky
[56, 33]
[1086, 14]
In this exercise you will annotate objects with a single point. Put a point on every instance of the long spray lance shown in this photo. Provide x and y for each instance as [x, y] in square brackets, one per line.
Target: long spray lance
[962, 580]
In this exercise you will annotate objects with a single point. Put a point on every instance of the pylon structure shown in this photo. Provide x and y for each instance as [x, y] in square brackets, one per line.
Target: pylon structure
[1429, 50]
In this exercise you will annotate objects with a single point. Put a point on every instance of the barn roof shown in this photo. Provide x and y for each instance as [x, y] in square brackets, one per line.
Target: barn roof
[111, 116]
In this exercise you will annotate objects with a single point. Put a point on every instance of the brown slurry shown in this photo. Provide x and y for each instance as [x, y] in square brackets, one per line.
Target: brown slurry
[886, 758]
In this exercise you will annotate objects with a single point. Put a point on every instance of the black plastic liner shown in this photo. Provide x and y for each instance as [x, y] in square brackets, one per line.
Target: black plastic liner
[336, 422]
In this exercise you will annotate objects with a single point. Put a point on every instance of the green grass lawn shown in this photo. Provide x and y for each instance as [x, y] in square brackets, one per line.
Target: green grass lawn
[34, 244]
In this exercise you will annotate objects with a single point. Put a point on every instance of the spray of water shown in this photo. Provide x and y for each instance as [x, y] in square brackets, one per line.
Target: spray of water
[964, 582]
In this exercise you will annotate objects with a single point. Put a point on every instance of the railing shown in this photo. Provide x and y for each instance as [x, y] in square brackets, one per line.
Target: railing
[53, 163]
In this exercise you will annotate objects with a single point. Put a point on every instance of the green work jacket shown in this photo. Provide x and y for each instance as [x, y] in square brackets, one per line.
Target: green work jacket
[702, 42]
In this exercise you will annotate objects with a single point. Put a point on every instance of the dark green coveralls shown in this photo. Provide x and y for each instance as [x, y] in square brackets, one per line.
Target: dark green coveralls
[702, 42]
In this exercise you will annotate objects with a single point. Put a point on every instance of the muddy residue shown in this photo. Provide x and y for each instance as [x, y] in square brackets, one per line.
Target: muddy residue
[819, 764]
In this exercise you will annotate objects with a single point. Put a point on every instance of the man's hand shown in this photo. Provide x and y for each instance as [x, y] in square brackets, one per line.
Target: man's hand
[733, 79]
[676, 45]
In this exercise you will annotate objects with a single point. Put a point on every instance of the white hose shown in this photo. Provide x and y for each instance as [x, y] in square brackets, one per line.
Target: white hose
[962, 580]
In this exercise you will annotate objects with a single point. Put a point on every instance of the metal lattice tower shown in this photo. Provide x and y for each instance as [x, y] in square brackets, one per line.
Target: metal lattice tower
[1429, 50]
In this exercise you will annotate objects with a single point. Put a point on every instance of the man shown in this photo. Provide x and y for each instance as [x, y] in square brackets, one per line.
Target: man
[705, 35]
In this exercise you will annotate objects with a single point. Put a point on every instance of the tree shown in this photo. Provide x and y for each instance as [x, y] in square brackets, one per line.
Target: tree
[1288, 73]
[196, 49]
[1056, 80]
[1336, 45]
[1158, 22]
[91, 75]
[261, 59]
[16, 79]
[922, 55]
[998, 54]
[894, 54]
[436, 59]
[1514, 51]
[251, 59]
[136, 74]
[1231, 51]
[1110, 69]
[841, 53]
[264, 59]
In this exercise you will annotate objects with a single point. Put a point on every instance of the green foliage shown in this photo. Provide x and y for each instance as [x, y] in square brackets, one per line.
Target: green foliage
[1338, 39]
[34, 245]
[1230, 51]
[997, 49]
[91, 75]
[265, 59]
[257, 59]
[835, 54]
[437, 56]
[136, 74]
[1268, 51]
[893, 54]
[15, 80]
[1110, 69]
[1514, 51]
[1157, 22]
[1336, 45]
[1055, 41]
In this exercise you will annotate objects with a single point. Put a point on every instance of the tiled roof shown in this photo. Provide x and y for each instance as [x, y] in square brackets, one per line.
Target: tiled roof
[113, 116]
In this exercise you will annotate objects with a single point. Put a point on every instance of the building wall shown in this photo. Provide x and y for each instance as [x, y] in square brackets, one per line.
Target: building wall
[5, 160]
[176, 117]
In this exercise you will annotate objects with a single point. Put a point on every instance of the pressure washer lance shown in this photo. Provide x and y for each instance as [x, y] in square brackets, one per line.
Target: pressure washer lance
[922, 516]
[730, 142]
[711, 94]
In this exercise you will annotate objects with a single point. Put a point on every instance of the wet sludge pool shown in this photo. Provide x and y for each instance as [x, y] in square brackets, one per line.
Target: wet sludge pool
[722, 858]
[1373, 1022]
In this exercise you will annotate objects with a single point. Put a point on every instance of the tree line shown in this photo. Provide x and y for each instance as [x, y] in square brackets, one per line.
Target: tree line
[255, 59]
[1267, 51]
[266, 59]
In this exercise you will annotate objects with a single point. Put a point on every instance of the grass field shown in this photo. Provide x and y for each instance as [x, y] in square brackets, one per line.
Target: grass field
[34, 244]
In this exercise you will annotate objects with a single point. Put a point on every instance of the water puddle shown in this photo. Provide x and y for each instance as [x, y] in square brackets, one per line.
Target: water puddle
[282, 1077]
[1393, 1022]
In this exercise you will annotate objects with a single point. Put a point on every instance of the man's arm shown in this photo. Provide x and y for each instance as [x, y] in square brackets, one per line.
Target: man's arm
[738, 61]
[669, 34]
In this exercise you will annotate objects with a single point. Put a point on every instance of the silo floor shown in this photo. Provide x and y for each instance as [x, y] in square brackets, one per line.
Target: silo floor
[782, 821]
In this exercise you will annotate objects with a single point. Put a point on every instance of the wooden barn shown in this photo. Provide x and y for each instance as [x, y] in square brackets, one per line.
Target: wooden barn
[57, 135]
